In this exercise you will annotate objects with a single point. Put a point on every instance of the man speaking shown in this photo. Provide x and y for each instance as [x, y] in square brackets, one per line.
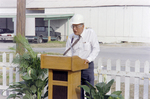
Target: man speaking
[83, 43]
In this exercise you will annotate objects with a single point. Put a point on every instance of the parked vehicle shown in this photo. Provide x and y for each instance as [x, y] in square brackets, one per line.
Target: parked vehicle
[41, 35]
[6, 34]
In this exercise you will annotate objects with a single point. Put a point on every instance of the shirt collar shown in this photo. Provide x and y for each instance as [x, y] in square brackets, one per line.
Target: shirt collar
[75, 36]
[83, 33]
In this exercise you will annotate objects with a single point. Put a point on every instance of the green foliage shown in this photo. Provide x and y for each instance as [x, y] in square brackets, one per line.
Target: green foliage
[57, 42]
[34, 81]
[100, 90]
[12, 48]
[24, 42]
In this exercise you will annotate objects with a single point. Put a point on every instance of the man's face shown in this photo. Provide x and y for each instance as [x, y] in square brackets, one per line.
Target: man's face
[77, 28]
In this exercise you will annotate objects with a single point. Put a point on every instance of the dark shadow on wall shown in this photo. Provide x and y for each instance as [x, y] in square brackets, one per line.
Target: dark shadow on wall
[7, 23]
[59, 25]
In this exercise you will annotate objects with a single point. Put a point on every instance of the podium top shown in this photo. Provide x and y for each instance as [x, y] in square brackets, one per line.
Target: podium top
[73, 63]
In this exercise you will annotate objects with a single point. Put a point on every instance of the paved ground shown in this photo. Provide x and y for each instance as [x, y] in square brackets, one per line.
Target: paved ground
[137, 51]
[5, 97]
[2, 97]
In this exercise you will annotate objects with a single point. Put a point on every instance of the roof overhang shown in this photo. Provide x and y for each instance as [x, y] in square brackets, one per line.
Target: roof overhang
[53, 16]
[73, 3]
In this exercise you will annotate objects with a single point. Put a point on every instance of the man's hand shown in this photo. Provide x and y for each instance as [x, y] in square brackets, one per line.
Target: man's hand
[85, 61]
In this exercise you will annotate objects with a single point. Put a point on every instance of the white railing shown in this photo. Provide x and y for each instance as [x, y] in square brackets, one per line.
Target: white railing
[7, 68]
[137, 77]
[7, 71]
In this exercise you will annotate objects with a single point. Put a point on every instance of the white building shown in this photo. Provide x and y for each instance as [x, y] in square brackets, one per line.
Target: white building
[112, 20]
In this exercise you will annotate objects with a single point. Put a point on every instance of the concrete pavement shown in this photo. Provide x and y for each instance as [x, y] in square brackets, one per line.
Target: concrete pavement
[2, 97]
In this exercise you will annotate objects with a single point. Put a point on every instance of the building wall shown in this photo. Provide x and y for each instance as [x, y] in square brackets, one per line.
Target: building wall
[7, 10]
[114, 24]
[124, 24]
[30, 27]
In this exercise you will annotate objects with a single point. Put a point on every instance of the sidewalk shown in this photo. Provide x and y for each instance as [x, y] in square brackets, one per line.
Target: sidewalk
[132, 44]
[2, 97]
[5, 97]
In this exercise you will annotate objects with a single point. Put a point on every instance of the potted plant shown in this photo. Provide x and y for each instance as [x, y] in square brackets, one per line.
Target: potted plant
[100, 90]
[34, 80]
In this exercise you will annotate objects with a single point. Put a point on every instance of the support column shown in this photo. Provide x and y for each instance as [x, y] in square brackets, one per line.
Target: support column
[67, 29]
[14, 20]
[49, 37]
[6, 23]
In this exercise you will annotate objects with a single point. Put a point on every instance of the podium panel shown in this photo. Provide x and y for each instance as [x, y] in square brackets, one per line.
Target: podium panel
[60, 75]
[59, 92]
[64, 76]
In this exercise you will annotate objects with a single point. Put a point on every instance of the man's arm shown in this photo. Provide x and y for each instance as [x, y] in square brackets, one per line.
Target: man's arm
[95, 48]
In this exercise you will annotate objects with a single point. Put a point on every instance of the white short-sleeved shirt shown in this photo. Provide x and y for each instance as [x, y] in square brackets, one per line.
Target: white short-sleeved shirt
[86, 48]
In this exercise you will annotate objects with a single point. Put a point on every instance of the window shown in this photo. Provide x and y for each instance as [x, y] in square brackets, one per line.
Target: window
[40, 29]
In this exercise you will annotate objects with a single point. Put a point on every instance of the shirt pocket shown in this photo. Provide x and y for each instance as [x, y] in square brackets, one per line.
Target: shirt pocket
[87, 46]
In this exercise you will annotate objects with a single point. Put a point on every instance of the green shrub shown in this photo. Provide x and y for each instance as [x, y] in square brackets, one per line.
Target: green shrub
[100, 90]
[34, 80]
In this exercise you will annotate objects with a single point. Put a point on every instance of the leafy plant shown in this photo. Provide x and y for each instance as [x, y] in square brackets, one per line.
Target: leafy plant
[34, 81]
[100, 90]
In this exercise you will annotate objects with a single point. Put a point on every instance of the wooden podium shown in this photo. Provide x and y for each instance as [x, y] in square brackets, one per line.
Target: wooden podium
[64, 76]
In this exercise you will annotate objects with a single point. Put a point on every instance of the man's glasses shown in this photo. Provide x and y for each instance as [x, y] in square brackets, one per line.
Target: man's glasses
[76, 26]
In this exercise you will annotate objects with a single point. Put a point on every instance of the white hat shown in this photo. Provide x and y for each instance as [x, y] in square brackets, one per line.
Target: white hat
[77, 19]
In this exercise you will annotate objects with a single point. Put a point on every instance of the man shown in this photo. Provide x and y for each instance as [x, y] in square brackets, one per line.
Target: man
[86, 47]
